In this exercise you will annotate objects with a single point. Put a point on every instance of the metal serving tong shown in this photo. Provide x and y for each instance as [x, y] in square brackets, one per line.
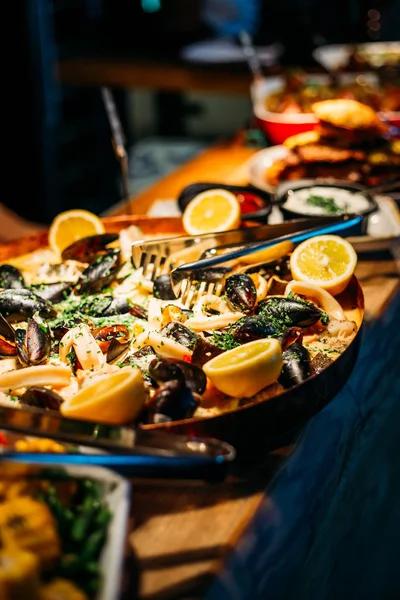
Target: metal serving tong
[162, 255]
[131, 452]
[195, 276]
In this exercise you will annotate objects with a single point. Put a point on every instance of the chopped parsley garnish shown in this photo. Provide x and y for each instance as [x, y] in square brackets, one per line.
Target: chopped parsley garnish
[324, 315]
[225, 341]
[327, 204]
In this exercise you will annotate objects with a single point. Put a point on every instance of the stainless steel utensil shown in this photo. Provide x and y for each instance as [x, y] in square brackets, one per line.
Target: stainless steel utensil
[192, 280]
[134, 452]
[160, 256]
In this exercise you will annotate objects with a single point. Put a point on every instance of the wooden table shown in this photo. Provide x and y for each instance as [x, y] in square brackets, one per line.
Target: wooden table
[183, 531]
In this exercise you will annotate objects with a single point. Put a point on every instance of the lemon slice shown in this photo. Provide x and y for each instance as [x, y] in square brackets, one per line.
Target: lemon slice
[212, 210]
[247, 369]
[73, 225]
[115, 398]
[327, 261]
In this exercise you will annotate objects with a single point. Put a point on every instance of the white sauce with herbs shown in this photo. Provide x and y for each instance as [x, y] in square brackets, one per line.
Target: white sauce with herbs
[345, 200]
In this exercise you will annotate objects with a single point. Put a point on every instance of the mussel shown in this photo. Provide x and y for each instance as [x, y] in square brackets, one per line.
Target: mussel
[141, 359]
[23, 302]
[99, 274]
[33, 345]
[171, 402]
[296, 365]
[170, 369]
[53, 292]
[289, 336]
[7, 338]
[203, 351]
[41, 397]
[11, 277]
[112, 339]
[181, 334]
[86, 249]
[290, 312]
[252, 328]
[163, 288]
[241, 292]
[105, 305]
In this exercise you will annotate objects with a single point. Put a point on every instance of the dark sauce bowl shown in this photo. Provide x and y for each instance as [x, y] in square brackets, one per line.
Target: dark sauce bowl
[285, 189]
[255, 204]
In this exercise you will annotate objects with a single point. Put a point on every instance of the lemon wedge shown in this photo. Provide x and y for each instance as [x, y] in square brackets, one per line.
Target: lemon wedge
[115, 398]
[247, 369]
[73, 225]
[212, 210]
[327, 261]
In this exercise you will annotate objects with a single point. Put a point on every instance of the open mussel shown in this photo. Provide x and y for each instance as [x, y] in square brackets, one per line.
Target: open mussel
[7, 338]
[88, 248]
[25, 303]
[112, 339]
[11, 278]
[203, 351]
[141, 359]
[241, 292]
[99, 274]
[33, 345]
[296, 365]
[289, 311]
[171, 369]
[290, 336]
[41, 397]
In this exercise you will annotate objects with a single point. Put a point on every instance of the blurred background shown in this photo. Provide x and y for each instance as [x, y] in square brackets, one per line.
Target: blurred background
[177, 74]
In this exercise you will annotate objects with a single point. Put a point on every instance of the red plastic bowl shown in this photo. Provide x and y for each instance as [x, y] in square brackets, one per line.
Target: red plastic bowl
[277, 126]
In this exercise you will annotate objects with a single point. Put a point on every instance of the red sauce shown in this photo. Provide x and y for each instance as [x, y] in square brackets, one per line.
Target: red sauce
[249, 202]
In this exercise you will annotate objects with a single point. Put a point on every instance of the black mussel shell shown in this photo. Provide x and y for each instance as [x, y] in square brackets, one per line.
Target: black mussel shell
[163, 288]
[203, 351]
[296, 365]
[118, 306]
[289, 311]
[41, 397]
[171, 402]
[53, 292]
[25, 303]
[169, 369]
[141, 359]
[138, 311]
[33, 345]
[241, 292]
[99, 274]
[252, 328]
[181, 334]
[11, 277]
[289, 336]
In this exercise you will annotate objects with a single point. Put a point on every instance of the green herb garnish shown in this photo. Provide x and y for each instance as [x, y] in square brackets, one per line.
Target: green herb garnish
[328, 204]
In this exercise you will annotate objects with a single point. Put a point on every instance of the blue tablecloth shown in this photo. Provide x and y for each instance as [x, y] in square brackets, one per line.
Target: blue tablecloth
[329, 527]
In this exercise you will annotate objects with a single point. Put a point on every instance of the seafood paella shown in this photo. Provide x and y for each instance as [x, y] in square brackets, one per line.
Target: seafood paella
[85, 333]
